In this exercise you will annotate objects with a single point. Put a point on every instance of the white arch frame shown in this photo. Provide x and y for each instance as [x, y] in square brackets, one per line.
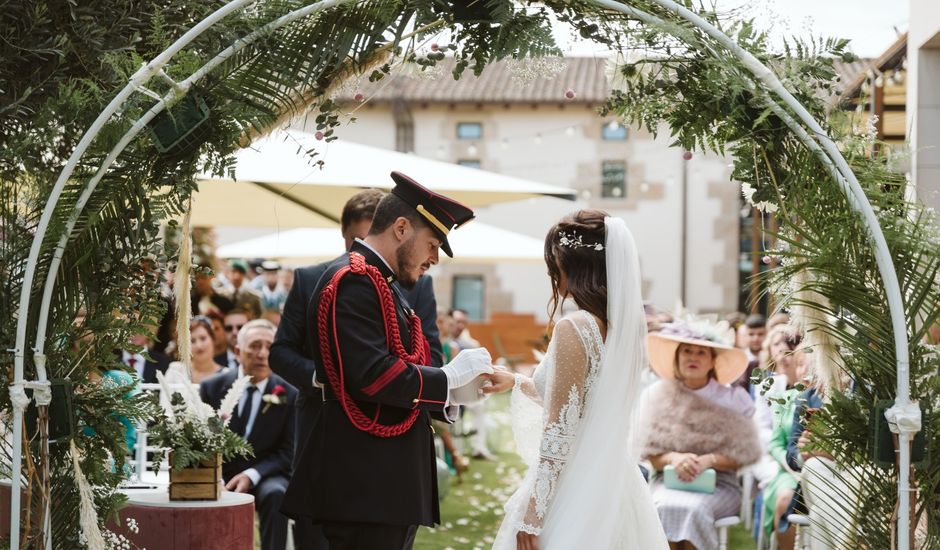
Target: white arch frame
[815, 139]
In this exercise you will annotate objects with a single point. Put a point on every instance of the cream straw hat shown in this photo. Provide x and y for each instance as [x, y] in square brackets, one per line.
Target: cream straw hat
[730, 362]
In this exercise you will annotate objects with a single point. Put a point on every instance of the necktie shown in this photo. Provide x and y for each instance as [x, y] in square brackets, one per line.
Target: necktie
[241, 419]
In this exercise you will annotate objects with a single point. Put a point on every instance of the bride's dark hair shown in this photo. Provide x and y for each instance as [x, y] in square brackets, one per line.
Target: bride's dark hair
[575, 246]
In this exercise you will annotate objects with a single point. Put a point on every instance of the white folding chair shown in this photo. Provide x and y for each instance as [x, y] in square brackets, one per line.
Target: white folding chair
[802, 530]
[722, 525]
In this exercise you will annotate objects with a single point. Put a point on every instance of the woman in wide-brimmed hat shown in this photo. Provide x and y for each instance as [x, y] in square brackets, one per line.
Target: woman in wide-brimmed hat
[696, 421]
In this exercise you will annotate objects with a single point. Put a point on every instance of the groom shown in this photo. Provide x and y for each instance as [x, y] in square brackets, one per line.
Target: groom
[367, 471]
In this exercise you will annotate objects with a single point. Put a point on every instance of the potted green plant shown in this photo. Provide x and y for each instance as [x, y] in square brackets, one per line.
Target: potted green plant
[197, 437]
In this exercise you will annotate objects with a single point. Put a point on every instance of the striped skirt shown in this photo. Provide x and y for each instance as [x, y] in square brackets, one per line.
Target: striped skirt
[691, 516]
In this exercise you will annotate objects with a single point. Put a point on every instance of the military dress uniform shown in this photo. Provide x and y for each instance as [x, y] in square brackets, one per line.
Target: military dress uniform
[366, 471]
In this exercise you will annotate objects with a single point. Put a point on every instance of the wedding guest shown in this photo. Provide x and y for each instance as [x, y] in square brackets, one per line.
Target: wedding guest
[218, 332]
[788, 364]
[201, 347]
[286, 279]
[752, 334]
[460, 335]
[826, 487]
[697, 422]
[771, 386]
[445, 326]
[206, 296]
[265, 417]
[234, 320]
[142, 359]
[778, 319]
[243, 295]
[273, 295]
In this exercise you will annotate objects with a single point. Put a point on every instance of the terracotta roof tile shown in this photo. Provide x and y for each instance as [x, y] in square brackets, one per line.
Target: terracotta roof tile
[583, 75]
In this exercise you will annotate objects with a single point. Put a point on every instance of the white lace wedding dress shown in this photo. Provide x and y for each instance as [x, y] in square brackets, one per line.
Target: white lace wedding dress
[547, 413]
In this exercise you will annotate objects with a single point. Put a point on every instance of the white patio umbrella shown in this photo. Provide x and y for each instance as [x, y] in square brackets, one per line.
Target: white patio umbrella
[473, 243]
[277, 182]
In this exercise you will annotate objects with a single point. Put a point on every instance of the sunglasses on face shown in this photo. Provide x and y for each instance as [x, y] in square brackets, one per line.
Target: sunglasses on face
[231, 328]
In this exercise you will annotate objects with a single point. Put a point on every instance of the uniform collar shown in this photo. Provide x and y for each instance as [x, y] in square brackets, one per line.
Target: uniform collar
[373, 257]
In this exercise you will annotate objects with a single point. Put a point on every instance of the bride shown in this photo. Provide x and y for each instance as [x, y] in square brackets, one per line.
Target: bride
[575, 419]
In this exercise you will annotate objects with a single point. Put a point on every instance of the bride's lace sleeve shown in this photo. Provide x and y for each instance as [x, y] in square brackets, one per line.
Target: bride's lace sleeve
[563, 404]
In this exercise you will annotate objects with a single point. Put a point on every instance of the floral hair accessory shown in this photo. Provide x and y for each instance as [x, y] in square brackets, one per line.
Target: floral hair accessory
[575, 240]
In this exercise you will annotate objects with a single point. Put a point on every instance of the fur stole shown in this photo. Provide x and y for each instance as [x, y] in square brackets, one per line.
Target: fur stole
[678, 420]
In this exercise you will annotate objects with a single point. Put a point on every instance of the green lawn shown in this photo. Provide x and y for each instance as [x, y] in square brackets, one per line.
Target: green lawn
[472, 510]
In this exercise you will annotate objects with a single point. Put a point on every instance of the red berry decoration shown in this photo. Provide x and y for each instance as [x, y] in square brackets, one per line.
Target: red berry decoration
[318, 135]
[570, 94]
[688, 156]
[435, 47]
[767, 260]
[360, 98]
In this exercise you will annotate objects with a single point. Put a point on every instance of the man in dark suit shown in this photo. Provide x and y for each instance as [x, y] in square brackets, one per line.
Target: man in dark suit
[265, 417]
[233, 322]
[145, 368]
[292, 352]
[367, 470]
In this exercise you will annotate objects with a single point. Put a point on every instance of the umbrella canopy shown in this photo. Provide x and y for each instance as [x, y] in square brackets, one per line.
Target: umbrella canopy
[472, 243]
[278, 183]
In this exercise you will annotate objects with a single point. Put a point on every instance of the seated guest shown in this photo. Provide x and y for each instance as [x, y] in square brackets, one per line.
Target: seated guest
[233, 322]
[780, 341]
[696, 421]
[218, 332]
[201, 347]
[265, 417]
[827, 490]
[752, 335]
[788, 364]
[145, 368]
[273, 295]
[242, 295]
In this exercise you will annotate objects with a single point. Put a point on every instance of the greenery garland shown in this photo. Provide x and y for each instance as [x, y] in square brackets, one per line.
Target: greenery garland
[69, 59]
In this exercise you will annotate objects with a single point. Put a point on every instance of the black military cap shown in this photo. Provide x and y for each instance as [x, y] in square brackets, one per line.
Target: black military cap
[442, 214]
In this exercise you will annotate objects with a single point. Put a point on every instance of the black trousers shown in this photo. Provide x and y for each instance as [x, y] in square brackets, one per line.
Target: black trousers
[308, 536]
[268, 497]
[369, 536]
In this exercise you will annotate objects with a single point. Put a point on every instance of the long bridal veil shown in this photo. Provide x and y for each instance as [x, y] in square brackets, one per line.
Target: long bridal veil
[602, 500]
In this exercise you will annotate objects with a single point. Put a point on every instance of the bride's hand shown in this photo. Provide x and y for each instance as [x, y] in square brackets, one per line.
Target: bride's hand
[501, 380]
[526, 541]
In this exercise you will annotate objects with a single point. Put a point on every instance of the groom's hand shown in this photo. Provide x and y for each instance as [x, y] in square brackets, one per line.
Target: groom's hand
[468, 364]
[526, 541]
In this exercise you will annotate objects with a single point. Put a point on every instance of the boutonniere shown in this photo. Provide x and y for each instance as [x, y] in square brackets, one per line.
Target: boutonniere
[278, 396]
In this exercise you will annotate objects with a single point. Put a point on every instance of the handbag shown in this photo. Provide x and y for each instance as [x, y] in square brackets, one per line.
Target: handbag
[704, 483]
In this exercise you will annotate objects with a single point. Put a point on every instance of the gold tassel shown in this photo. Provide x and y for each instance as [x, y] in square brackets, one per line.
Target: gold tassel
[181, 287]
[88, 517]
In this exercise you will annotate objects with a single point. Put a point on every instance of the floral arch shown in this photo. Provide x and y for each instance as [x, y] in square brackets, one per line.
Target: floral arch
[80, 228]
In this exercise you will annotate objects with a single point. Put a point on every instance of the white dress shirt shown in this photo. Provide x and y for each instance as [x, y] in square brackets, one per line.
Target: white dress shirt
[252, 473]
[139, 362]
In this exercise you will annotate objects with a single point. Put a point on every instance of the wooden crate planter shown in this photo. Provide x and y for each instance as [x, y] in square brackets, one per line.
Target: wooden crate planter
[201, 483]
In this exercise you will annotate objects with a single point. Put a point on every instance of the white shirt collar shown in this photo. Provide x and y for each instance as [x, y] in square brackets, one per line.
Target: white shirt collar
[260, 385]
[365, 244]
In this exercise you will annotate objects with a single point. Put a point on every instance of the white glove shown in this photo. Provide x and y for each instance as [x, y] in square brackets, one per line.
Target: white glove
[468, 364]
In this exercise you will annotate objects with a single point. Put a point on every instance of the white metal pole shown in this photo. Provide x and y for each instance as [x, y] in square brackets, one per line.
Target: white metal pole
[859, 202]
[882, 253]
[857, 199]
[140, 77]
